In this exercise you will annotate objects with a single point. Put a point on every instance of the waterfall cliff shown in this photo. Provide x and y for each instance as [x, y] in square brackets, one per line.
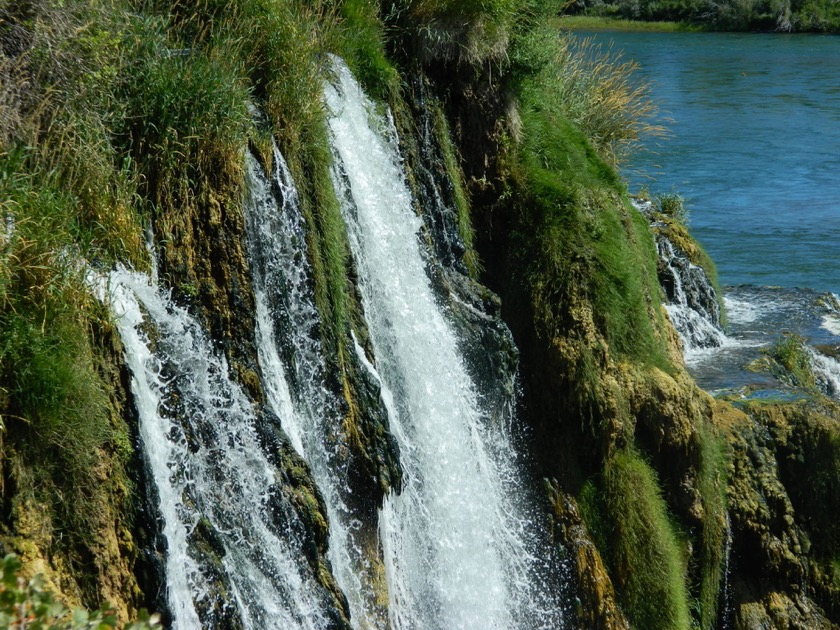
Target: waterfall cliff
[337, 314]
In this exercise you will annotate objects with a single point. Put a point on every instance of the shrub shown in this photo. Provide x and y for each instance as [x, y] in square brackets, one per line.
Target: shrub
[793, 361]
[26, 604]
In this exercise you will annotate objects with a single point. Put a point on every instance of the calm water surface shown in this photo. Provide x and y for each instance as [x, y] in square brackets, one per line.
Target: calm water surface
[754, 149]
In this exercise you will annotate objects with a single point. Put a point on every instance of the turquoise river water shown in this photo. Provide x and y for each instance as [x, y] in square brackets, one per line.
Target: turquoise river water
[754, 148]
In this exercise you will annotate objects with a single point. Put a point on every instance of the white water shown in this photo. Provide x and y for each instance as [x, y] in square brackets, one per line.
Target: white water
[286, 316]
[200, 438]
[698, 324]
[827, 372]
[456, 542]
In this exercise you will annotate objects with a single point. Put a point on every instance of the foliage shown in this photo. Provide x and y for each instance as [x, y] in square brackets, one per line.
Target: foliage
[781, 15]
[358, 37]
[185, 111]
[464, 31]
[643, 548]
[672, 206]
[793, 362]
[48, 369]
[26, 604]
[592, 87]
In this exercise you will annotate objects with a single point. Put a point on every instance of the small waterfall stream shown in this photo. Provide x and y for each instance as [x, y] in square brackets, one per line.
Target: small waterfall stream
[692, 300]
[293, 370]
[457, 541]
[235, 547]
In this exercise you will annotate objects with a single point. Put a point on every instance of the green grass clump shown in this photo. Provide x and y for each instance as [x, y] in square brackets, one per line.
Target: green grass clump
[465, 32]
[710, 563]
[630, 523]
[793, 361]
[55, 405]
[358, 37]
[186, 111]
[591, 86]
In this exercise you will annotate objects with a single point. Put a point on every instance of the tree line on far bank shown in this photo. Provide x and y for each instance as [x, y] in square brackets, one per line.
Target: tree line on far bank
[732, 15]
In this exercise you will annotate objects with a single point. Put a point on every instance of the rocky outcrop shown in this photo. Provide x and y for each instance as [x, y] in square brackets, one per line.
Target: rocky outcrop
[782, 482]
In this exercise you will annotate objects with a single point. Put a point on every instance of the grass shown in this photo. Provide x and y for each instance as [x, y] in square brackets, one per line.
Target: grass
[794, 363]
[630, 523]
[710, 563]
[601, 23]
[464, 32]
[599, 91]
[358, 37]
[186, 114]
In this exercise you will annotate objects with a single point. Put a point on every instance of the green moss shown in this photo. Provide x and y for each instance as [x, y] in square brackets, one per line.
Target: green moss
[574, 225]
[456, 177]
[710, 563]
[672, 217]
[645, 551]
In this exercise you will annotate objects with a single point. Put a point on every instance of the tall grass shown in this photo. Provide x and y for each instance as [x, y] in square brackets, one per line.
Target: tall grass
[596, 89]
[465, 32]
[646, 554]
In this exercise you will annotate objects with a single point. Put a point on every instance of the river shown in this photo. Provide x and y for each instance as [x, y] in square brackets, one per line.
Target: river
[754, 148]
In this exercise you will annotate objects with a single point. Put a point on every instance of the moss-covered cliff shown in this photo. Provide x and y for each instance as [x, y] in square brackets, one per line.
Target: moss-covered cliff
[122, 119]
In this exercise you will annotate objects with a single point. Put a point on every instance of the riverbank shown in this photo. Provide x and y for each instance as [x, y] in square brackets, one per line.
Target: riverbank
[601, 23]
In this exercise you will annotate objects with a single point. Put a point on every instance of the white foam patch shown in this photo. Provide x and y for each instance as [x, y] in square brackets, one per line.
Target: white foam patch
[695, 357]
[740, 311]
[831, 323]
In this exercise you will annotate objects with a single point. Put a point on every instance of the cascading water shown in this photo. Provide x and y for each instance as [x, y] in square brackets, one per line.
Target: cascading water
[692, 300]
[457, 540]
[287, 324]
[236, 552]
[826, 371]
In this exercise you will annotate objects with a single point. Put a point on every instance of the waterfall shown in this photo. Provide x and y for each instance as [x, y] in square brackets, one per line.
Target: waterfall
[293, 367]
[235, 547]
[692, 300]
[826, 371]
[459, 543]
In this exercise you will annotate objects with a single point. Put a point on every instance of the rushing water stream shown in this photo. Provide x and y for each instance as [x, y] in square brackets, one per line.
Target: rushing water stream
[234, 544]
[456, 540]
[288, 325]
[462, 545]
